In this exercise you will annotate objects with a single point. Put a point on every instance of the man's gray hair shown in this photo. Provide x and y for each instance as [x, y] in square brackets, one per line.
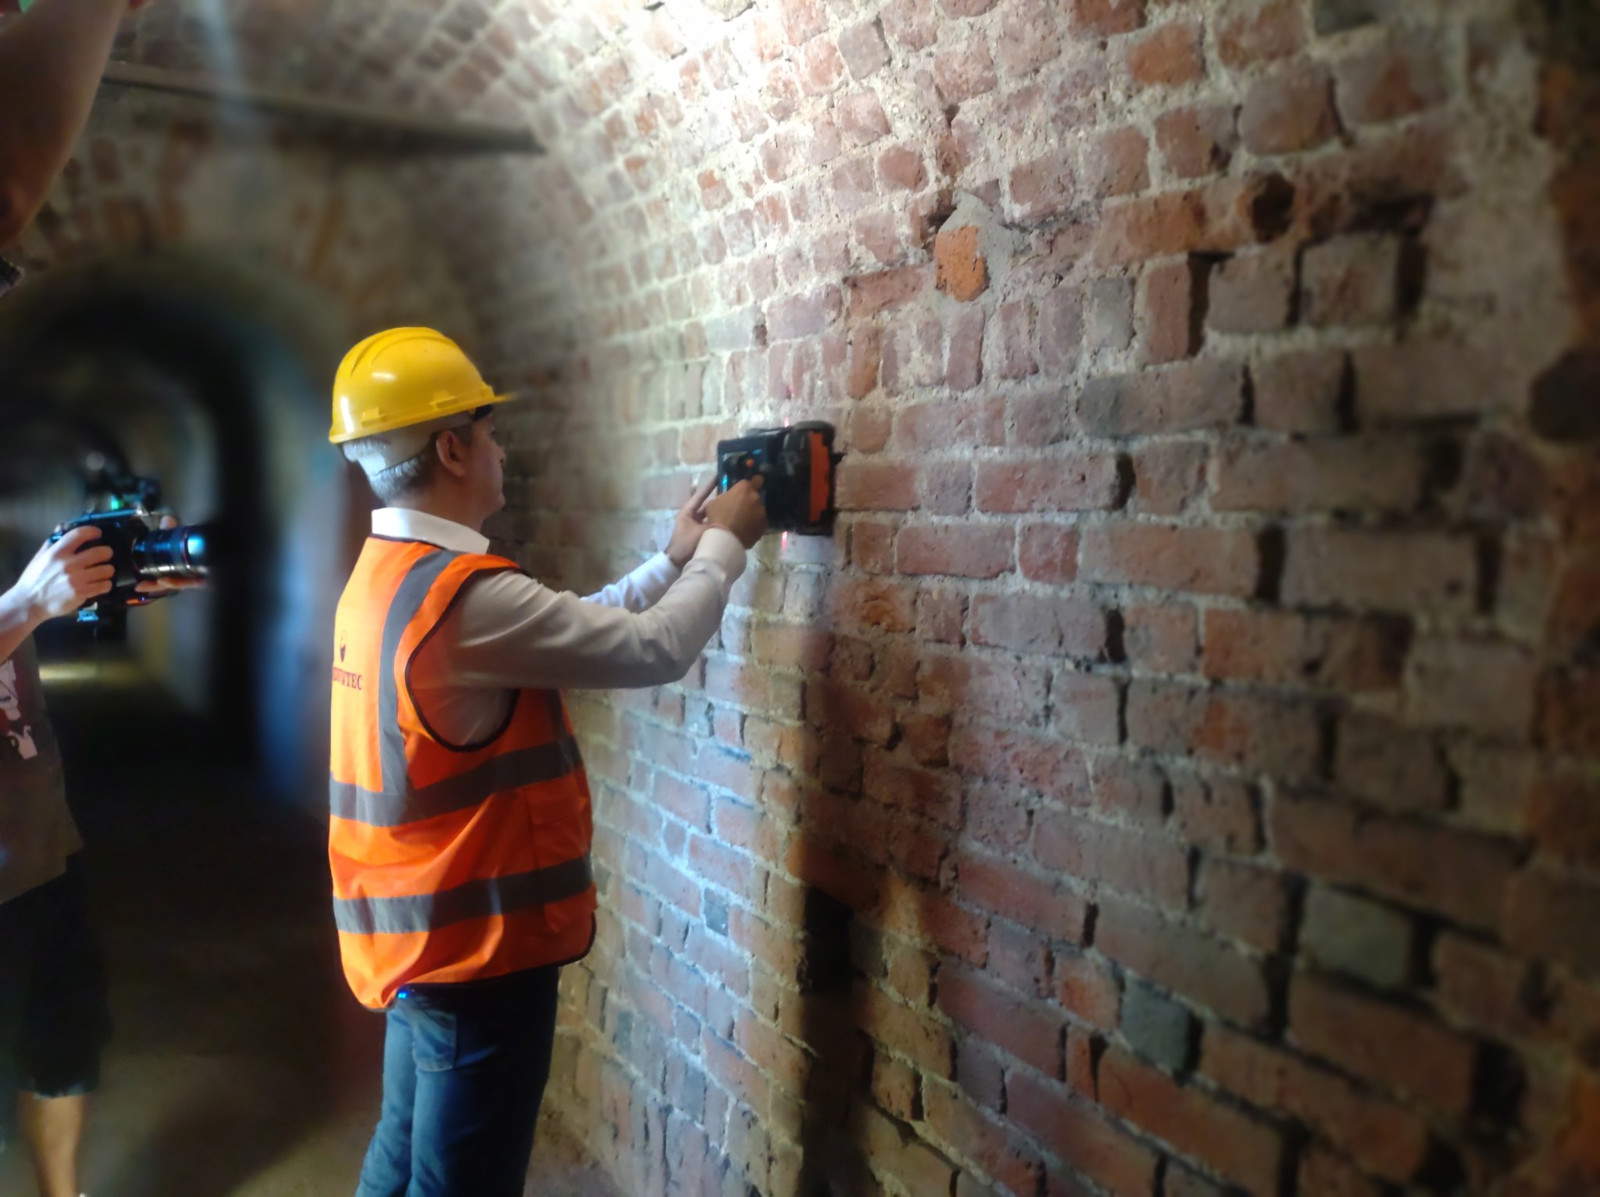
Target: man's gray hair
[407, 476]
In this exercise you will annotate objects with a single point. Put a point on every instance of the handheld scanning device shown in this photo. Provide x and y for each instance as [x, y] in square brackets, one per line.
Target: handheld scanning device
[796, 465]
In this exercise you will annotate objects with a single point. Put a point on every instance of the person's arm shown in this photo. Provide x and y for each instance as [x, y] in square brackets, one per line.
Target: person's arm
[51, 59]
[642, 588]
[58, 581]
[510, 632]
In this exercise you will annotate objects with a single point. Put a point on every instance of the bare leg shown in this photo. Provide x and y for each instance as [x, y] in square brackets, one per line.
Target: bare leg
[53, 1127]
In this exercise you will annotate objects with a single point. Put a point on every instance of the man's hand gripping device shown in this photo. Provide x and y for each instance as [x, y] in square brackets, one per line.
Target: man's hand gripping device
[796, 465]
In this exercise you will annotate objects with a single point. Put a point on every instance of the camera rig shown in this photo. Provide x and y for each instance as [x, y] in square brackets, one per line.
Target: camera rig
[141, 549]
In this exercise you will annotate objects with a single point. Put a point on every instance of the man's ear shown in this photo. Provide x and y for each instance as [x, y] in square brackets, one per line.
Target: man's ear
[452, 451]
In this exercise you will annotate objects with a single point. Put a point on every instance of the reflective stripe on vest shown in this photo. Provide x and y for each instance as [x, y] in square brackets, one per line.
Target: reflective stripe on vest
[450, 863]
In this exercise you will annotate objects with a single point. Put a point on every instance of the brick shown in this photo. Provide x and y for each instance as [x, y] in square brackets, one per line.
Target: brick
[1289, 111]
[964, 365]
[884, 289]
[1348, 934]
[1029, 1031]
[1087, 707]
[1425, 380]
[980, 1138]
[1077, 1133]
[941, 616]
[872, 486]
[1037, 901]
[1217, 813]
[1301, 392]
[1251, 31]
[1321, 1171]
[1251, 292]
[859, 117]
[964, 72]
[1128, 791]
[965, 551]
[1383, 1137]
[1458, 873]
[1185, 960]
[1167, 476]
[1483, 986]
[1161, 637]
[1235, 730]
[1480, 686]
[859, 604]
[803, 315]
[1569, 710]
[1108, 315]
[1166, 56]
[1552, 916]
[1102, 18]
[1564, 818]
[1087, 988]
[1150, 867]
[902, 167]
[962, 271]
[1117, 163]
[1245, 902]
[866, 354]
[1361, 1033]
[1048, 553]
[1405, 75]
[1077, 482]
[864, 49]
[1170, 556]
[912, 23]
[1189, 396]
[940, 424]
[1197, 140]
[1060, 324]
[1361, 473]
[1036, 762]
[1038, 625]
[1156, 1027]
[1002, 690]
[1232, 1143]
[1395, 571]
[1279, 648]
[1043, 187]
[1171, 305]
[1352, 281]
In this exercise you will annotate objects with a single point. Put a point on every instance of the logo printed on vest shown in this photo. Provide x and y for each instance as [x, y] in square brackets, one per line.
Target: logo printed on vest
[343, 677]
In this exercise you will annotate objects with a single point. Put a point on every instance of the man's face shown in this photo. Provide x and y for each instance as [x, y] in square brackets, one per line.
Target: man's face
[486, 466]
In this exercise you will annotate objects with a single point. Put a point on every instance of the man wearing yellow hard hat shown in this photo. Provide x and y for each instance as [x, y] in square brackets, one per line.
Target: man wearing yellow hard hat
[460, 823]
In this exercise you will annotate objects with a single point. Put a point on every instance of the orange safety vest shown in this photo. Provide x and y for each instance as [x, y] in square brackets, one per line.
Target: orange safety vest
[450, 862]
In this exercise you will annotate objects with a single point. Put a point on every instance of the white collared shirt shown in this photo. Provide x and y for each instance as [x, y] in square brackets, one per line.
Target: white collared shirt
[509, 632]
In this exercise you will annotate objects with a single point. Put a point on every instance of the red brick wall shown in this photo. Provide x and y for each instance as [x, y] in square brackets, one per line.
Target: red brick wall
[1177, 772]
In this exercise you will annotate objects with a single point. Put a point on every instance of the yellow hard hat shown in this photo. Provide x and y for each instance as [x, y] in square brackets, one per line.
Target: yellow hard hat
[401, 377]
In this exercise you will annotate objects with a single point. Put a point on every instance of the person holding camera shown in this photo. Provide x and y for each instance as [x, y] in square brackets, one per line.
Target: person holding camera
[460, 823]
[52, 993]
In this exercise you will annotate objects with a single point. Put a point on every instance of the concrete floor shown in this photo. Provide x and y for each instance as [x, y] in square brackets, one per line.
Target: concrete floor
[240, 1063]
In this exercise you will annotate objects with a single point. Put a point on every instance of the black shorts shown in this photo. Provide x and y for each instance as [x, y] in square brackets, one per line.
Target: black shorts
[54, 1020]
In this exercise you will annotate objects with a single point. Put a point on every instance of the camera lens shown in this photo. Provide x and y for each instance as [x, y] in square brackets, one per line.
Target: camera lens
[185, 552]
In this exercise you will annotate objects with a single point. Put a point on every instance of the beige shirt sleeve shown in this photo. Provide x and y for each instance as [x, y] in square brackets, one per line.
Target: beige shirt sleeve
[510, 632]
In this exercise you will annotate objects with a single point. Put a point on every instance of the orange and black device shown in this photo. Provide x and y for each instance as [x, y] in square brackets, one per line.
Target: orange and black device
[796, 466]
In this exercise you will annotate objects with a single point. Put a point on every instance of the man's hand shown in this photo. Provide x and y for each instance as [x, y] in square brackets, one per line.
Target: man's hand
[60, 578]
[168, 585]
[689, 525]
[741, 511]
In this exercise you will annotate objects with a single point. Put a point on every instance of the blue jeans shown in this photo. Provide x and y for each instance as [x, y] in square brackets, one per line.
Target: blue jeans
[464, 1071]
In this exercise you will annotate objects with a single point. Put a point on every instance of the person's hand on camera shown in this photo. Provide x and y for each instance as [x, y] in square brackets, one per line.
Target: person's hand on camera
[65, 575]
[689, 526]
[168, 585]
[740, 510]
